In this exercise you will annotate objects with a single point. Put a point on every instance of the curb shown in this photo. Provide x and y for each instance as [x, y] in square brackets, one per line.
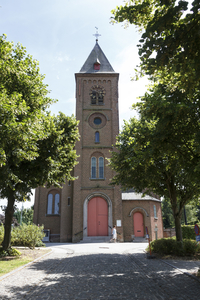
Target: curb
[186, 273]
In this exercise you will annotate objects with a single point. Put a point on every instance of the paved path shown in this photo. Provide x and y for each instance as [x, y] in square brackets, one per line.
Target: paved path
[100, 271]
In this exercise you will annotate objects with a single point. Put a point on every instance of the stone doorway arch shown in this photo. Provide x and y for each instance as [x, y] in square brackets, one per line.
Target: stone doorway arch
[138, 223]
[85, 211]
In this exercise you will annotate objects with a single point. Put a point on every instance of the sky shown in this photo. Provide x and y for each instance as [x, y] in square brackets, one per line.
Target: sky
[60, 35]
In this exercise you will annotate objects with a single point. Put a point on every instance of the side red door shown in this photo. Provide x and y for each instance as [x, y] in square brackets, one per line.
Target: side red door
[138, 224]
[97, 217]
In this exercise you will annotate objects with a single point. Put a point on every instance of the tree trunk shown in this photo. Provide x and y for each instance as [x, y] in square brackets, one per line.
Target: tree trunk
[8, 221]
[177, 218]
[175, 208]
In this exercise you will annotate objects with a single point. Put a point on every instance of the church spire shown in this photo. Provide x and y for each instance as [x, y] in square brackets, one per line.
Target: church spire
[97, 61]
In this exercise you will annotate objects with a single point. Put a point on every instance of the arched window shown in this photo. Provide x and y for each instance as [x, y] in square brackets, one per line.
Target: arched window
[56, 204]
[97, 137]
[101, 167]
[97, 166]
[53, 203]
[155, 212]
[49, 204]
[93, 167]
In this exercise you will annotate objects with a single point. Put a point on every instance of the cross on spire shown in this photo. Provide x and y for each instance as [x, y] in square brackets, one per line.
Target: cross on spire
[97, 34]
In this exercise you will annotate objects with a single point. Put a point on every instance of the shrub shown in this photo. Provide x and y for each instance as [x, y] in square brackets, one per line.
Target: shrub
[27, 235]
[9, 252]
[171, 246]
[190, 247]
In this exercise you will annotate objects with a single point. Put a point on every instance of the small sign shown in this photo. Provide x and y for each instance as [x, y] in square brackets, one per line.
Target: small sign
[198, 238]
[119, 223]
[147, 236]
[196, 229]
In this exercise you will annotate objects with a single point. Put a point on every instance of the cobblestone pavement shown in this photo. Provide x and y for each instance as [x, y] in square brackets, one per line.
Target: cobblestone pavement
[104, 273]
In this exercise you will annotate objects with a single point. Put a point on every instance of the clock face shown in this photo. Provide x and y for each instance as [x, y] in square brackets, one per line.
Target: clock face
[97, 94]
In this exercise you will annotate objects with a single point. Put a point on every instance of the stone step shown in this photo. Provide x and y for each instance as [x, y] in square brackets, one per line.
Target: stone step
[95, 239]
[140, 240]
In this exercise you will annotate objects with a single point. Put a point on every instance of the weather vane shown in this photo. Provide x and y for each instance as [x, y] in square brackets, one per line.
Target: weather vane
[97, 34]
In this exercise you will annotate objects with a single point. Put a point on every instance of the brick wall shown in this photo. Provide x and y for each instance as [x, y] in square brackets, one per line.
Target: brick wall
[146, 208]
[87, 148]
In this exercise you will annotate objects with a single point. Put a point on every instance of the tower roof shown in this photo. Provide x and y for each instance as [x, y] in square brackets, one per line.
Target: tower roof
[97, 56]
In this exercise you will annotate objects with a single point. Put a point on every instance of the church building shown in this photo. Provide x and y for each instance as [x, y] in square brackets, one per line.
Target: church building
[87, 208]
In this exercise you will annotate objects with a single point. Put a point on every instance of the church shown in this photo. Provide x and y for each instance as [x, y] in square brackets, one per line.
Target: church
[86, 209]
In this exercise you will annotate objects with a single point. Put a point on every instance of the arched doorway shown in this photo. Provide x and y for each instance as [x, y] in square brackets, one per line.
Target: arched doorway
[138, 222]
[97, 221]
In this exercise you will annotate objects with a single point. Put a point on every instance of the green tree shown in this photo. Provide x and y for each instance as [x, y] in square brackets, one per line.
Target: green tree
[191, 211]
[148, 163]
[169, 111]
[191, 214]
[169, 45]
[36, 148]
[26, 214]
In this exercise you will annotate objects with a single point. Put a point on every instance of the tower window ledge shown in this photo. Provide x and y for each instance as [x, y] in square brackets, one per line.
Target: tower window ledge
[52, 215]
[95, 179]
[97, 104]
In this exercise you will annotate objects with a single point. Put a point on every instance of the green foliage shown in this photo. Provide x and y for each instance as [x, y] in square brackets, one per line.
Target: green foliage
[145, 159]
[190, 247]
[163, 153]
[188, 232]
[27, 215]
[170, 40]
[168, 219]
[36, 148]
[172, 247]
[191, 210]
[167, 214]
[1, 233]
[9, 252]
[14, 252]
[27, 235]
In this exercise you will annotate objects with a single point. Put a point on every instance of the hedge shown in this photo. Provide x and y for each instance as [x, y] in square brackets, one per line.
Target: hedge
[170, 246]
[25, 235]
[188, 232]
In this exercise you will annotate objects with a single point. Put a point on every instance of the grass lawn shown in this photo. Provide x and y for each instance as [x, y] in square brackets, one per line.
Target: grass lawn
[8, 264]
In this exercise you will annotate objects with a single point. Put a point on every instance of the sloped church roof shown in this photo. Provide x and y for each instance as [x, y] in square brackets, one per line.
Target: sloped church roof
[97, 56]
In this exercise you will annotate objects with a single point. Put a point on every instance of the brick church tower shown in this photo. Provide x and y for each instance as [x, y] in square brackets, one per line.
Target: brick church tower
[87, 208]
[96, 204]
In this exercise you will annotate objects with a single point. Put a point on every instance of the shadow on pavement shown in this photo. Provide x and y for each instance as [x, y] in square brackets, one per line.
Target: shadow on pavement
[106, 276]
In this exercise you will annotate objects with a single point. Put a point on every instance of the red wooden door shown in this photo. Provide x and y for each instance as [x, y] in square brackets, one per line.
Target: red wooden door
[97, 217]
[138, 224]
